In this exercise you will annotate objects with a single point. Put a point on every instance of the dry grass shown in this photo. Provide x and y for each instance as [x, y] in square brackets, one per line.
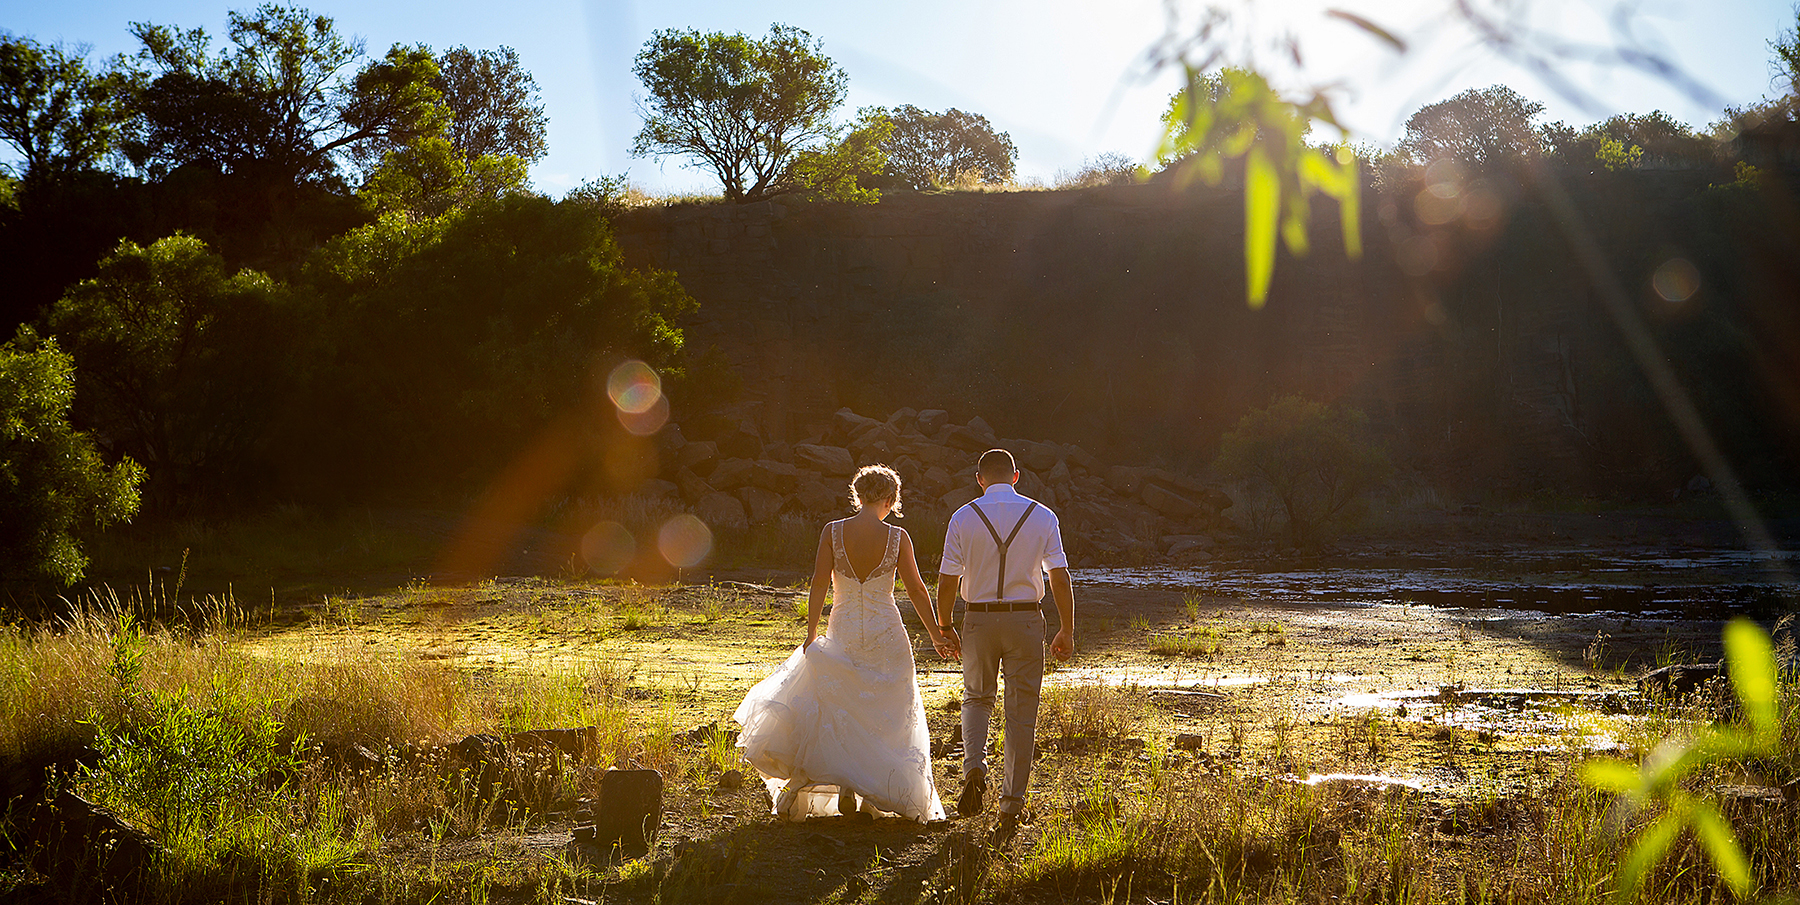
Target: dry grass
[1118, 813]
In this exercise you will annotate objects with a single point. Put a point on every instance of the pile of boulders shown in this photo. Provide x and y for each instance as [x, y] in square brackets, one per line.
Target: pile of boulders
[1111, 514]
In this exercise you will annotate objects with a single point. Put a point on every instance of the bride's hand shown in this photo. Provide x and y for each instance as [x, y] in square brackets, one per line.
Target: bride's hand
[810, 638]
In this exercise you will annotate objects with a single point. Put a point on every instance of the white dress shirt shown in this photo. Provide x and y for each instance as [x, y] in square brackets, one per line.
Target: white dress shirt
[970, 551]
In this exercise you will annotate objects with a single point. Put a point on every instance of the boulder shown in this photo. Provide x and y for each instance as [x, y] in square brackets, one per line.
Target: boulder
[1680, 678]
[722, 512]
[955, 499]
[693, 487]
[968, 440]
[569, 742]
[1125, 480]
[487, 762]
[1186, 485]
[848, 423]
[769, 474]
[1036, 456]
[1177, 544]
[931, 420]
[698, 455]
[87, 852]
[983, 429]
[731, 474]
[820, 498]
[1083, 459]
[760, 505]
[931, 454]
[627, 812]
[830, 460]
[740, 443]
[903, 420]
[1167, 501]
[1058, 475]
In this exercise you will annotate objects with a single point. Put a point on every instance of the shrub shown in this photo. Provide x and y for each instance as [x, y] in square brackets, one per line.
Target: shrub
[1316, 459]
[53, 484]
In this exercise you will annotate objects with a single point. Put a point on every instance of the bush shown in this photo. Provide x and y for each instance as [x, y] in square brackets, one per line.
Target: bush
[1316, 459]
[53, 484]
[180, 362]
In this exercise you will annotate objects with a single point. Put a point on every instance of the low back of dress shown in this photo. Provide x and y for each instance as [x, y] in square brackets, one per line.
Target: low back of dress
[864, 622]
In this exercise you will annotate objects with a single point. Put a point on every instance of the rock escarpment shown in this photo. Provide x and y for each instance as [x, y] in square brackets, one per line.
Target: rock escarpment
[724, 473]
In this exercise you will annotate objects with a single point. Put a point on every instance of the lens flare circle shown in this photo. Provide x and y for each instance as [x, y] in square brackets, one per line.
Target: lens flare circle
[608, 547]
[634, 387]
[646, 422]
[684, 541]
[1676, 280]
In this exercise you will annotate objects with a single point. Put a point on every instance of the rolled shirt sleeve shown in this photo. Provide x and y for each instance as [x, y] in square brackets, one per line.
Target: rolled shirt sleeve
[1054, 557]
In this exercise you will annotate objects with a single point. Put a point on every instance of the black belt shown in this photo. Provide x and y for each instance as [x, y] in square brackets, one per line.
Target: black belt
[1004, 607]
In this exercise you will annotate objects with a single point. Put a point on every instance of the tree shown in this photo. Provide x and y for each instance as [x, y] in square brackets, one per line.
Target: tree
[1629, 140]
[60, 116]
[744, 108]
[841, 171]
[279, 104]
[1486, 129]
[1316, 459]
[494, 104]
[938, 149]
[178, 359]
[442, 344]
[54, 487]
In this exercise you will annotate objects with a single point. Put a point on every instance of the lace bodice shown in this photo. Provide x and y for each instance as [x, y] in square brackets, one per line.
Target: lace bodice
[864, 621]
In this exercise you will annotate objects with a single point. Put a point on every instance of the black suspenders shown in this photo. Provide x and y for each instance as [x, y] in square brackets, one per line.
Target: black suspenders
[1000, 581]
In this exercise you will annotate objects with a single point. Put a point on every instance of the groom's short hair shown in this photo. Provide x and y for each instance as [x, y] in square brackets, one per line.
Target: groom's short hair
[997, 465]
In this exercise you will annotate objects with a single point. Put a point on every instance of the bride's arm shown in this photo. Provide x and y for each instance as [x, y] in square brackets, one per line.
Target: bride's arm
[821, 582]
[915, 589]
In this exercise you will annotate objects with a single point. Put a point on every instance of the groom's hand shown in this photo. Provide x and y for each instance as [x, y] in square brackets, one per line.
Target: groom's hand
[1062, 647]
[949, 646]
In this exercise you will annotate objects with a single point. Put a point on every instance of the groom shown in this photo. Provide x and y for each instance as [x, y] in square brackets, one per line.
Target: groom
[996, 551]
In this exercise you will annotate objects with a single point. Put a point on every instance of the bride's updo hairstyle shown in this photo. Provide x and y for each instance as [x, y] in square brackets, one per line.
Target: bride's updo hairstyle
[875, 482]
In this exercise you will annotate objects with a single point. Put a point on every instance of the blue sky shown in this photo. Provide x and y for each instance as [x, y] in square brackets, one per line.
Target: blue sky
[1056, 74]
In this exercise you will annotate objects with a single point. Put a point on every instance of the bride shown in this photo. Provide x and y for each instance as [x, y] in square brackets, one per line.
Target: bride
[842, 719]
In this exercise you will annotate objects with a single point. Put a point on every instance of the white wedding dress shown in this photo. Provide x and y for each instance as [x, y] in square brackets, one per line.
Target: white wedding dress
[844, 714]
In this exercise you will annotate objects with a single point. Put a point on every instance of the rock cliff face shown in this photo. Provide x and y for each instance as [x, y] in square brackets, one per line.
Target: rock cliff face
[1115, 319]
[1120, 514]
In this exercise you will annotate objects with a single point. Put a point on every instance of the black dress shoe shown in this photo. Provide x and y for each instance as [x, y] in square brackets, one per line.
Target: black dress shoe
[969, 803]
[1004, 830]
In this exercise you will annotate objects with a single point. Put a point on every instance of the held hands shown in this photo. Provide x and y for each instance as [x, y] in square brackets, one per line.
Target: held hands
[947, 644]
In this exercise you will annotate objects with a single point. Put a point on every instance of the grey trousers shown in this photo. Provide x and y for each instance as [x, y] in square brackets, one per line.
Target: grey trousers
[1013, 643]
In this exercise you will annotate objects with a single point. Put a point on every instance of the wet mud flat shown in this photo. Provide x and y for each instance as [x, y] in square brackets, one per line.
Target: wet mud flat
[1323, 676]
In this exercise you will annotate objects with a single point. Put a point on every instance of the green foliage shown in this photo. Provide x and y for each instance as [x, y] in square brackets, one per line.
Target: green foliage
[180, 361]
[431, 177]
[1317, 460]
[1628, 141]
[183, 770]
[742, 107]
[1486, 129]
[935, 150]
[59, 116]
[53, 484]
[277, 104]
[1615, 156]
[839, 172]
[443, 343]
[1234, 113]
[1656, 784]
[494, 104]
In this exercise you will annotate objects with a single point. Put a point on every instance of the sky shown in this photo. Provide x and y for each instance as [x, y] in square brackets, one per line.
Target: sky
[1067, 79]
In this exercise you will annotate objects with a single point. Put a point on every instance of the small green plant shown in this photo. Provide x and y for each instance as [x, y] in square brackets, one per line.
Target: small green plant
[1655, 783]
[1190, 602]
